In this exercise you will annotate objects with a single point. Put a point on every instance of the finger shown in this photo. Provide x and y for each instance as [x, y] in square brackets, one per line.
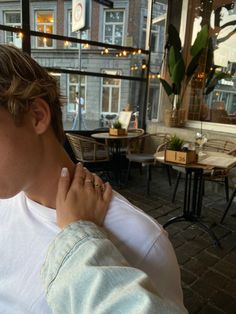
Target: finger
[98, 185]
[89, 180]
[107, 194]
[63, 185]
[79, 175]
[97, 179]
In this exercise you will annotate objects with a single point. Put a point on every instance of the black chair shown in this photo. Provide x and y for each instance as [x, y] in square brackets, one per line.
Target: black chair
[142, 151]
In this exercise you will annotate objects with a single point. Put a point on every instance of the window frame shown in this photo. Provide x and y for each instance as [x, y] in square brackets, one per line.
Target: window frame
[45, 25]
[13, 34]
[111, 87]
[113, 26]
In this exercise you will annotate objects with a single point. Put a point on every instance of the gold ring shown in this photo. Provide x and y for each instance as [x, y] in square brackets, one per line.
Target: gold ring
[96, 185]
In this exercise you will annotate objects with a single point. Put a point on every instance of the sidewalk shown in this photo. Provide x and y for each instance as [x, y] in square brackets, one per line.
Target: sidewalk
[208, 273]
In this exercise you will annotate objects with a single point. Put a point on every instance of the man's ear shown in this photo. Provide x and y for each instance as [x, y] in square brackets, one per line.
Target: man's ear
[40, 115]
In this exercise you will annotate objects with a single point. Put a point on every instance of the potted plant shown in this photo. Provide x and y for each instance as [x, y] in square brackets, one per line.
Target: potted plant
[180, 74]
[178, 153]
[117, 129]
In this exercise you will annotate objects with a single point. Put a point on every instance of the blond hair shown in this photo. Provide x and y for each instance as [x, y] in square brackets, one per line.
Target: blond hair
[22, 80]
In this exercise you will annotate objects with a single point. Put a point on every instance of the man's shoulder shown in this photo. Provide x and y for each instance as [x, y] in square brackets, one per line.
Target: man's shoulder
[129, 217]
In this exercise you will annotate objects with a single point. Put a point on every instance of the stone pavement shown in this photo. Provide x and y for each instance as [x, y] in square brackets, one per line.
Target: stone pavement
[208, 272]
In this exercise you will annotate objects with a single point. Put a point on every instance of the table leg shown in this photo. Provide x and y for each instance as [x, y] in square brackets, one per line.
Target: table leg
[193, 201]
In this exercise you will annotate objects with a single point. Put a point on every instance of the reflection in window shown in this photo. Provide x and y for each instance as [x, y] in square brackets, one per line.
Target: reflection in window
[219, 105]
[158, 27]
[45, 24]
[13, 18]
[110, 94]
[113, 27]
[157, 52]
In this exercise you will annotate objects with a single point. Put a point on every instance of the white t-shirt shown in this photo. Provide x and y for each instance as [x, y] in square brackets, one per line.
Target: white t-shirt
[27, 228]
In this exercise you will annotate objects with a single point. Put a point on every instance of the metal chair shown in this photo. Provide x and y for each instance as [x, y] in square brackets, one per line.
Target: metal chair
[142, 151]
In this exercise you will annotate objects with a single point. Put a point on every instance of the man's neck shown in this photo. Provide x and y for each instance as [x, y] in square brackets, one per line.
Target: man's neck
[43, 190]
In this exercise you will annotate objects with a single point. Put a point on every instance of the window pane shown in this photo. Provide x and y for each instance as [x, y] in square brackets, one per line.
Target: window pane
[114, 16]
[215, 104]
[108, 30]
[74, 78]
[105, 99]
[115, 100]
[12, 18]
[44, 17]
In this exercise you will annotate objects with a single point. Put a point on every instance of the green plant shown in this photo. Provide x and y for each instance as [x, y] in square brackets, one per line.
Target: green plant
[180, 73]
[175, 143]
[117, 124]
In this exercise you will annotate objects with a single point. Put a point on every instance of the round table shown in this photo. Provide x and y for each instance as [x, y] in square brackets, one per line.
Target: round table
[114, 142]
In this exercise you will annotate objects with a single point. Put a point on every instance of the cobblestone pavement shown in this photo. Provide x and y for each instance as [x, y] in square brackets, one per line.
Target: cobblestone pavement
[208, 272]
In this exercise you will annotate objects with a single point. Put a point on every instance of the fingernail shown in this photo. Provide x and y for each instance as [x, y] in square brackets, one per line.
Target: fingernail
[64, 172]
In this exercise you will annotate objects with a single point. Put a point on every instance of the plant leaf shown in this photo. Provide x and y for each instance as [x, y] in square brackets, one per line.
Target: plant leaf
[200, 41]
[174, 56]
[178, 72]
[173, 37]
[167, 87]
[193, 65]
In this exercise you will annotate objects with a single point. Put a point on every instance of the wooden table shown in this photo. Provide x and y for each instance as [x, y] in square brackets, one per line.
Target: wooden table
[115, 143]
[193, 190]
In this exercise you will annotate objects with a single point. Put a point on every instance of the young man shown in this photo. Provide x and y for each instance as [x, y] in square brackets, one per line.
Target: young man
[32, 157]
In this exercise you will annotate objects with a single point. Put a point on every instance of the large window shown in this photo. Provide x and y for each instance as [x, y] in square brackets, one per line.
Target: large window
[13, 18]
[45, 24]
[67, 60]
[114, 27]
[217, 101]
[110, 94]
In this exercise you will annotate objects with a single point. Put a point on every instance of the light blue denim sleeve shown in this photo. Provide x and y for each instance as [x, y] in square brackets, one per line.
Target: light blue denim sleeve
[85, 273]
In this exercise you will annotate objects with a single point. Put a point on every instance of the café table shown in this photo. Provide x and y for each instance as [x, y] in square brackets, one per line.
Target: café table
[193, 185]
[115, 143]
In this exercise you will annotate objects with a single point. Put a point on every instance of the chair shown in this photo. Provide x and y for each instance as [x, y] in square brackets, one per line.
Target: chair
[138, 131]
[125, 142]
[88, 150]
[142, 151]
[216, 175]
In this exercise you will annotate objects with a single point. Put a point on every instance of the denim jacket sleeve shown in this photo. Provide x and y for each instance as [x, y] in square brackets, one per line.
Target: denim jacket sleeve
[85, 273]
